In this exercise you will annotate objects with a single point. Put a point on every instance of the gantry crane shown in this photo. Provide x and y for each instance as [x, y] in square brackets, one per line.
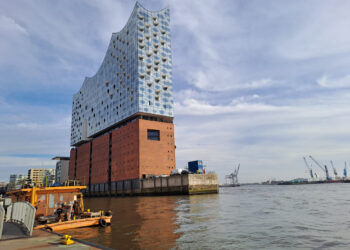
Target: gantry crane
[325, 169]
[233, 177]
[309, 168]
[334, 170]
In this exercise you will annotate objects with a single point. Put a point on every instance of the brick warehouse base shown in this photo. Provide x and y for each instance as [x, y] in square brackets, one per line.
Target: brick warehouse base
[125, 153]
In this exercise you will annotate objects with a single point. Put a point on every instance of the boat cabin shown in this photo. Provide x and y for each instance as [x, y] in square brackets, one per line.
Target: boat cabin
[47, 200]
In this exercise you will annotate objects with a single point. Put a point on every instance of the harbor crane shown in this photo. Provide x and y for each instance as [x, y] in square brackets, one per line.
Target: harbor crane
[325, 169]
[345, 171]
[334, 170]
[233, 177]
[309, 168]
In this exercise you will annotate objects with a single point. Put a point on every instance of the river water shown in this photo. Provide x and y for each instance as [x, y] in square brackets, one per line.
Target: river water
[248, 217]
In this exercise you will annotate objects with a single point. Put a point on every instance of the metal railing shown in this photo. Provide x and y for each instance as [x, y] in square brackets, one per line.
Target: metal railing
[22, 213]
[2, 215]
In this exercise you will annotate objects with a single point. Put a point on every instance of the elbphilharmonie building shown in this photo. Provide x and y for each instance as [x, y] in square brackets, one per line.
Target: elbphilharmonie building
[122, 117]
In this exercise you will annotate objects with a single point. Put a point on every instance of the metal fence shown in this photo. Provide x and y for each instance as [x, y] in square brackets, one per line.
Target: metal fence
[2, 215]
[22, 213]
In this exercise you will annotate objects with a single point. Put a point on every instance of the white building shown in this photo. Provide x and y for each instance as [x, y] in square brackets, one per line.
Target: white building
[62, 168]
[135, 78]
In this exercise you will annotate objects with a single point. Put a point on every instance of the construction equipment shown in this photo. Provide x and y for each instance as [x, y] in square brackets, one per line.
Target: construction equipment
[232, 179]
[309, 168]
[325, 169]
[334, 170]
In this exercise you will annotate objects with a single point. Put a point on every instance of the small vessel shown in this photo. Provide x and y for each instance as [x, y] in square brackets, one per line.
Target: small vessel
[60, 208]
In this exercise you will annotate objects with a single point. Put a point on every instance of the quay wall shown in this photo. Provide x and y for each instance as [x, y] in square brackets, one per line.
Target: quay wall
[169, 185]
[202, 183]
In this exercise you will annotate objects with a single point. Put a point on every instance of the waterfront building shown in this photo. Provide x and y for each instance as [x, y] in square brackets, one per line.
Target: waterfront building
[62, 169]
[122, 117]
[41, 176]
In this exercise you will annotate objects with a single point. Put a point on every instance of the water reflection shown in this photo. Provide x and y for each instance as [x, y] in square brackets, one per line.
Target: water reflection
[196, 215]
[138, 223]
[246, 217]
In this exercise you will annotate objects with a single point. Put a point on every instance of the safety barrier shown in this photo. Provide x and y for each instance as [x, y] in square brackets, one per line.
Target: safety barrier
[22, 213]
[2, 215]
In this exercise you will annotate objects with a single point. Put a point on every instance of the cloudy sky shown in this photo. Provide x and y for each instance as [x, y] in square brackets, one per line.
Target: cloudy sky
[260, 83]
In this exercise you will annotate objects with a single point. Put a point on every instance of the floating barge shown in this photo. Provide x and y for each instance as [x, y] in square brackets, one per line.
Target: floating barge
[60, 208]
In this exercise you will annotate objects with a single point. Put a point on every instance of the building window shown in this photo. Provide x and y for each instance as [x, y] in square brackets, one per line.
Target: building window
[153, 135]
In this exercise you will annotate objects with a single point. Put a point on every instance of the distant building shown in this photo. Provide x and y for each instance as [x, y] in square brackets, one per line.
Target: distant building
[62, 168]
[17, 181]
[3, 187]
[41, 176]
[122, 117]
[16, 178]
[49, 177]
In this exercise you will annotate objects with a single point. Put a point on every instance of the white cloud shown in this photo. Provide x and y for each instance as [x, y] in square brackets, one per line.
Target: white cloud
[341, 82]
[217, 78]
[318, 33]
[195, 107]
[207, 34]
[267, 82]
[8, 25]
[244, 99]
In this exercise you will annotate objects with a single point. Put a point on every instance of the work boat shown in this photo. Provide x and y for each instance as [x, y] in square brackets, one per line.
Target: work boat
[60, 208]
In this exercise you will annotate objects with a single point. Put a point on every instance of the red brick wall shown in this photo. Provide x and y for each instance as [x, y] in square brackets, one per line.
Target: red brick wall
[132, 153]
[100, 159]
[125, 152]
[157, 157]
[83, 163]
[72, 164]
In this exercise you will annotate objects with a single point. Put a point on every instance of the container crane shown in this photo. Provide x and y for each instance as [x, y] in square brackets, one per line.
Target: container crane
[334, 170]
[345, 171]
[235, 174]
[325, 169]
[309, 168]
[233, 177]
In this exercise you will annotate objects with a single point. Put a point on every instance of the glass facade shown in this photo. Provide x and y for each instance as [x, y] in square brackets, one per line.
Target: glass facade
[135, 76]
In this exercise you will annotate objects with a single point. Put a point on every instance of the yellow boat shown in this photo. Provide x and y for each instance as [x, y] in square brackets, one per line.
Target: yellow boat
[84, 222]
[60, 208]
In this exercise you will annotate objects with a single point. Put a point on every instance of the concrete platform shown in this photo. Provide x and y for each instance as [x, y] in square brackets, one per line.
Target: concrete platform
[12, 231]
[187, 184]
[42, 240]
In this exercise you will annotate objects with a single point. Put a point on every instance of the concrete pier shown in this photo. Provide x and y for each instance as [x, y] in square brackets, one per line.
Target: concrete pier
[187, 184]
[45, 240]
